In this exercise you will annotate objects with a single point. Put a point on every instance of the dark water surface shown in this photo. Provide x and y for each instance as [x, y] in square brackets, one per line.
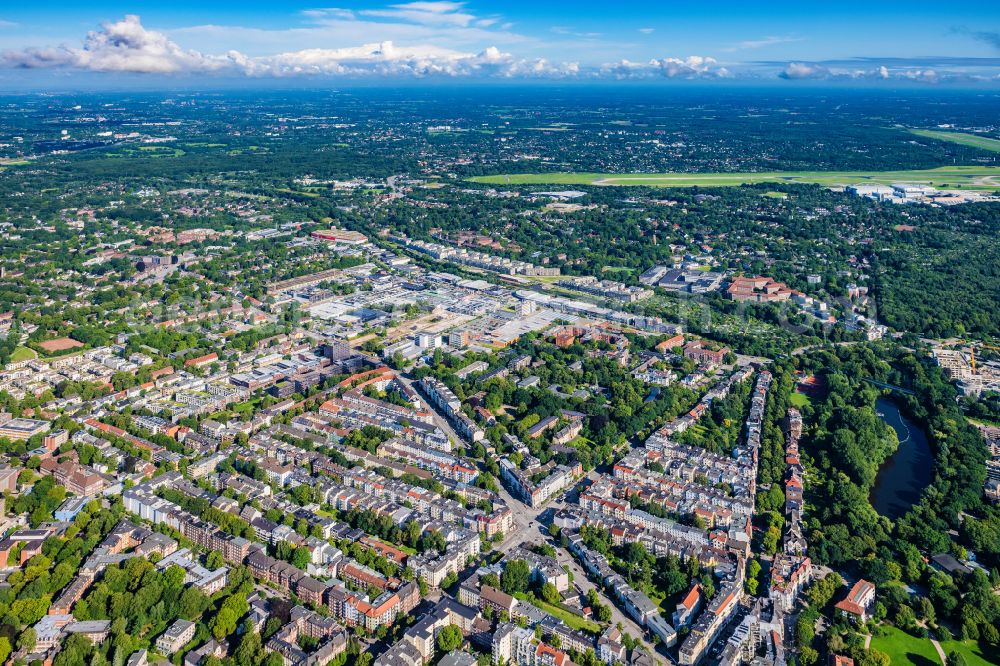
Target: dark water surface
[903, 477]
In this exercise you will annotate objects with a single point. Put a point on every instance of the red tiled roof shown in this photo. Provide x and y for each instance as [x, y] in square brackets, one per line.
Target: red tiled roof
[691, 598]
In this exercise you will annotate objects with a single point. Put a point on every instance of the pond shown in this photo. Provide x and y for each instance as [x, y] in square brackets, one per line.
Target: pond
[903, 477]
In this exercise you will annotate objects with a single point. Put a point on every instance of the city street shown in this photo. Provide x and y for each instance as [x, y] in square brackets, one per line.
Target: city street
[531, 527]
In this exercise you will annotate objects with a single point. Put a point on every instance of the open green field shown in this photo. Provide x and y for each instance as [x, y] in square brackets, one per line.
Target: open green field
[146, 152]
[572, 620]
[305, 193]
[961, 138]
[904, 649]
[956, 177]
[22, 354]
[799, 400]
[974, 653]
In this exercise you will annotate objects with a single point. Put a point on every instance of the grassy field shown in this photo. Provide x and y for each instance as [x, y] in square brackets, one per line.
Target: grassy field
[799, 400]
[961, 138]
[22, 354]
[906, 650]
[973, 652]
[305, 193]
[145, 152]
[965, 177]
[572, 620]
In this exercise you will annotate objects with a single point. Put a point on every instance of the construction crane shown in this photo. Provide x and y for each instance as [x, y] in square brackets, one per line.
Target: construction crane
[972, 354]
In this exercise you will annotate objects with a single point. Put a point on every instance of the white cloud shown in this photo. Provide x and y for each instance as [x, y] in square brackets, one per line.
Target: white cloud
[647, 31]
[425, 13]
[328, 13]
[121, 46]
[801, 70]
[384, 59]
[816, 71]
[923, 75]
[126, 46]
[691, 67]
[563, 30]
[420, 39]
[329, 27]
[387, 59]
[762, 43]
[539, 68]
[8, 24]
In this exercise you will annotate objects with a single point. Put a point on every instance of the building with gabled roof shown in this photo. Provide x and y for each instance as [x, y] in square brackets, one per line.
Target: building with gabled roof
[858, 602]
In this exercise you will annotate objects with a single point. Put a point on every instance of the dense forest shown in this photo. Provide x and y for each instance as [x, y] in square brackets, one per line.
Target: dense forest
[844, 445]
[848, 443]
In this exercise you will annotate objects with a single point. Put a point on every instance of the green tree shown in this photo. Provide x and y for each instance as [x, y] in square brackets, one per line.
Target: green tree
[214, 560]
[302, 557]
[603, 612]
[192, 603]
[275, 659]
[551, 594]
[753, 580]
[224, 623]
[449, 638]
[516, 576]
[872, 658]
[248, 649]
[956, 659]
[808, 656]
[26, 641]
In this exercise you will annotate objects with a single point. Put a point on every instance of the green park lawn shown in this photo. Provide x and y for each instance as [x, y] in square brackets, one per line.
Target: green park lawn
[973, 652]
[22, 354]
[904, 649]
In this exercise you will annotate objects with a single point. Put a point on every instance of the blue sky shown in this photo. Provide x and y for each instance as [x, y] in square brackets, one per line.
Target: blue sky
[865, 43]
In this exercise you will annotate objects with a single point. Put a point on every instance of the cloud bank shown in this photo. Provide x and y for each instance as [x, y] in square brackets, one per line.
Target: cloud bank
[127, 46]
[798, 71]
[692, 67]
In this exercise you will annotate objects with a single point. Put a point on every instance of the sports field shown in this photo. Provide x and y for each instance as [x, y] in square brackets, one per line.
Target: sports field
[799, 400]
[956, 177]
[962, 138]
[59, 344]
